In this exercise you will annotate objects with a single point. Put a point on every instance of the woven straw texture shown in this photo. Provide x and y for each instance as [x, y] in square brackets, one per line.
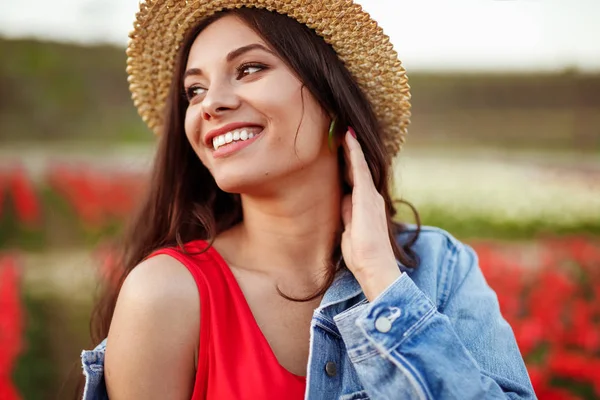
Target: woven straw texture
[360, 43]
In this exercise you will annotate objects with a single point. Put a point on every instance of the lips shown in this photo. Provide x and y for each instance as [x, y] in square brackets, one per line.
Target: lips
[234, 147]
[249, 126]
[234, 136]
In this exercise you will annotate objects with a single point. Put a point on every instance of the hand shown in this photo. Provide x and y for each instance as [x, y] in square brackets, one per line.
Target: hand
[366, 246]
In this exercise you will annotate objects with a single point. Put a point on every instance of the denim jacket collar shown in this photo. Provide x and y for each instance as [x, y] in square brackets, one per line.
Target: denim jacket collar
[344, 287]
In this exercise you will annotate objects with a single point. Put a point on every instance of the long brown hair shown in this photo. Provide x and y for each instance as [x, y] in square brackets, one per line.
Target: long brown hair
[183, 201]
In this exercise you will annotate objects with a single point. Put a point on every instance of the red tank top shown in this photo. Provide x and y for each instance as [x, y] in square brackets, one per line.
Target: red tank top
[235, 360]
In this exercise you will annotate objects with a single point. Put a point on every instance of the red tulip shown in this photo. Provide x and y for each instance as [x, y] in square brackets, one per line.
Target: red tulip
[529, 334]
[25, 199]
[576, 366]
[97, 196]
[11, 325]
[539, 378]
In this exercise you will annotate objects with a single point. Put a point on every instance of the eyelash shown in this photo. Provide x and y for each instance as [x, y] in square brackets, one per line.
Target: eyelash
[189, 92]
[242, 67]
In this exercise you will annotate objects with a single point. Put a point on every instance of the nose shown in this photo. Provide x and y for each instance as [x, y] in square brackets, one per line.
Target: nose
[219, 99]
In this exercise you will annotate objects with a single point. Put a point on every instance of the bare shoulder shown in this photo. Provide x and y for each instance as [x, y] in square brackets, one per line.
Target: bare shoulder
[160, 290]
[154, 333]
[160, 279]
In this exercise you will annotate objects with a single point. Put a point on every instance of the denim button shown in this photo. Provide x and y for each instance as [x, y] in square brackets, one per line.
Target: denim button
[383, 324]
[331, 369]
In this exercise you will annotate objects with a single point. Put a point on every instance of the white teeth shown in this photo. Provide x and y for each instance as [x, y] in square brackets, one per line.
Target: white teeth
[232, 136]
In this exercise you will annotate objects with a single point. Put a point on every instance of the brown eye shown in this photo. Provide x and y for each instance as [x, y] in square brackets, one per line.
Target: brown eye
[194, 91]
[249, 69]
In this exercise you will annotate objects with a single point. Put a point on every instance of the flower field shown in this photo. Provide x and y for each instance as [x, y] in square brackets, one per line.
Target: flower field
[551, 298]
[548, 285]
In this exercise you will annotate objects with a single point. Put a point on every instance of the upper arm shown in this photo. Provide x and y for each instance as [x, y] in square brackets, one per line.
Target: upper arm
[474, 312]
[154, 333]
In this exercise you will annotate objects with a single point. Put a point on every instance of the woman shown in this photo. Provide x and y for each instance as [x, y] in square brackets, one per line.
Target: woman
[264, 262]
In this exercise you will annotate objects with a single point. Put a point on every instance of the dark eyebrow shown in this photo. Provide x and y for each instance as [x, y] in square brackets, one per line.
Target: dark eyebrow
[244, 49]
[231, 56]
[192, 71]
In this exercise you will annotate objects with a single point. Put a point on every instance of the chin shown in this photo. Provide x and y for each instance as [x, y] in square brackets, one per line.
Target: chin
[246, 183]
[239, 183]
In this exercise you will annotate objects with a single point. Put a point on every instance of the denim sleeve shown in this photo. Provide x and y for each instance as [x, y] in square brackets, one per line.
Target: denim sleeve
[402, 346]
[92, 362]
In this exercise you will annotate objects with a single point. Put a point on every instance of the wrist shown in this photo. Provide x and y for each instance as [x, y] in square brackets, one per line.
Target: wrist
[374, 281]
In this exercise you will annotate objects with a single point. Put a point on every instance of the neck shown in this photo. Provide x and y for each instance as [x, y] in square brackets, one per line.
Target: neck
[290, 234]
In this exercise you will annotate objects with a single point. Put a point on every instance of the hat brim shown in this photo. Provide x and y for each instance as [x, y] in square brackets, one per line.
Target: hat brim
[360, 43]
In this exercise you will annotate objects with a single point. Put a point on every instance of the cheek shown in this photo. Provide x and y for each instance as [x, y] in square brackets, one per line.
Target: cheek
[289, 109]
[192, 132]
[278, 98]
[191, 125]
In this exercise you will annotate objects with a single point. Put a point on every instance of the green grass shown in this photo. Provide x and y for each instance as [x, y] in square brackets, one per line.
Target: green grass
[488, 227]
[65, 92]
[35, 374]
[56, 331]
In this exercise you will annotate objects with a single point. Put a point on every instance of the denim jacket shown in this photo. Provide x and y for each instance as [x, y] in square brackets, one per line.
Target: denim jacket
[435, 333]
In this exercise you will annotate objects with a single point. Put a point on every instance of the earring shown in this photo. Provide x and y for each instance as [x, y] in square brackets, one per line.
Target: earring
[331, 137]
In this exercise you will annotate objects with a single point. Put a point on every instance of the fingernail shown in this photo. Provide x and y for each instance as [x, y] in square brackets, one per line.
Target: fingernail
[352, 132]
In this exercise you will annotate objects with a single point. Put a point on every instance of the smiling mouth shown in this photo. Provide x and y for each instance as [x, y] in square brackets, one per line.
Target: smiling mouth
[236, 135]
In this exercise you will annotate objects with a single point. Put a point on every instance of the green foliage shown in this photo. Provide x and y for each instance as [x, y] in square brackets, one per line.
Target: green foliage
[35, 375]
[467, 226]
[56, 330]
[65, 92]
[16, 235]
[583, 391]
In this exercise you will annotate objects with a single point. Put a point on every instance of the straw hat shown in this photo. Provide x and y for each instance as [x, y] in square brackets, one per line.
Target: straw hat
[360, 43]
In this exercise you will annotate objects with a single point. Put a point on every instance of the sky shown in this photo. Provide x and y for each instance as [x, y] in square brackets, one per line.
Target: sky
[435, 35]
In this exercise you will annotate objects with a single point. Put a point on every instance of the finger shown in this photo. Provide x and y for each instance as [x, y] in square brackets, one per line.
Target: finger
[360, 169]
[347, 210]
[348, 170]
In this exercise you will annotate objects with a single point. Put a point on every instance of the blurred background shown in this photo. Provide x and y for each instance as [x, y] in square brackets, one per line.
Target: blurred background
[503, 152]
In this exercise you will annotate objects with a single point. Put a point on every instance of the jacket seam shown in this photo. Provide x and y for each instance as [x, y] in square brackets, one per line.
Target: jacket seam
[414, 329]
[452, 261]
[366, 355]
[467, 273]
[323, 326]
[412, 375]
